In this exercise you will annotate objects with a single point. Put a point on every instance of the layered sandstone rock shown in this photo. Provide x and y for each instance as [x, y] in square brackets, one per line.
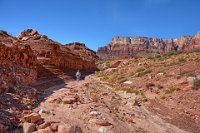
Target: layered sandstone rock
[53, 53]
[17, 62]
[82, 51]
[130, 46]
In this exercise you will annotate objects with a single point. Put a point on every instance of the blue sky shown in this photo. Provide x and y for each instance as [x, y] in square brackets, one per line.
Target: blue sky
[95, 22]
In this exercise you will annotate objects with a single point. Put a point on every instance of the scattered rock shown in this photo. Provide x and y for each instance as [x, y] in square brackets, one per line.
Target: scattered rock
[69, 100]
[160, 74]
[54, 127]
[75, 129]
[194, 82]
[63, 128]
[128, 82]
[46, 130]
[45, 111]
[33, 117]
[44, 125]
[4, 87]
[103, 129]
[29, 127]
[100, 122]
[95, 113]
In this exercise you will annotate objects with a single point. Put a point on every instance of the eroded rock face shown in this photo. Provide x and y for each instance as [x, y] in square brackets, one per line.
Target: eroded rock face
[53, 53]
[131, 46]
[17, 62]
[82, 51]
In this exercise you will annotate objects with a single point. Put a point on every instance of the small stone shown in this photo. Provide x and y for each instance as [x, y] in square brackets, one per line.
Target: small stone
[100, 122]
[63, 128]
[45, 111]
[103, 129]
[160, 74]
[33, 117]
[95, 113]
[46, 130]
[75, 129]
[29, 127]
[68, 100]
[128, 82]
[54, 127]
[44, 125]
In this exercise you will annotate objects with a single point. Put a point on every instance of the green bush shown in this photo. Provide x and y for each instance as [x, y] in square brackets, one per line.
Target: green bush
[100, 62]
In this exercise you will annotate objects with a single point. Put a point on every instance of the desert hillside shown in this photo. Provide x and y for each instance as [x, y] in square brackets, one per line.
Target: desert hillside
[148, 92]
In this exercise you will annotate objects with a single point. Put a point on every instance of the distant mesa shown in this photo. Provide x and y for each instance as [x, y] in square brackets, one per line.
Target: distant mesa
[131, 46]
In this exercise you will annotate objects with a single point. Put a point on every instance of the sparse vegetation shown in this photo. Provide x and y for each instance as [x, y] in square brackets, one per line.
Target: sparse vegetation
[171, 53]
[100, 62]
[143, 97]
[163, 97]
[182, 60]
[128, 90]
[148, 85]
[142, 73]
[170, 90]
[196, 84]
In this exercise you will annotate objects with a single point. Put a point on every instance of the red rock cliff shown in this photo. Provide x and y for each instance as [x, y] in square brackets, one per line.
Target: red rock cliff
[130, 46]
[51, 52]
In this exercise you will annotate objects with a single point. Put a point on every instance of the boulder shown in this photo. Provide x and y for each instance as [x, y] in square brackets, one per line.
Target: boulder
[44, 125]
[75, 129]
[100, 122]
[63, 128]
[29, 127]
[68, 100]
[33, 117]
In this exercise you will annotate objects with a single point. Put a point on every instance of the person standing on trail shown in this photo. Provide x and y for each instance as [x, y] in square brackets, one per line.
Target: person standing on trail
[78, 75]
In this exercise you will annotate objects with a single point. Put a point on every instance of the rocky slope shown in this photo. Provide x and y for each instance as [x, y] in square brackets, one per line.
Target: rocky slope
[21, 71]
[51, 52]
[130, 46]
[168, 84]
[17, 71]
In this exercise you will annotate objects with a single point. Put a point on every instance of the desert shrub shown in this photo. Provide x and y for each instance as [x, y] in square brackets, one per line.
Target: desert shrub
[142, 73]
[160, 86]
[148, 85]
[182, 60]
[140, 69]
[196, 84]
[197, 60]
[121, 79]
[158, 56]
[131, 90]
[195, 51]
[170, 90]
[163, 97]
[100, 62]
[150, 57]
[13, 89]
[143, 97]
[170, 53]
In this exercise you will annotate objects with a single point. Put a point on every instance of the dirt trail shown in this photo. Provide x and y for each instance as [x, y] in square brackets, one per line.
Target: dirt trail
[96, 107]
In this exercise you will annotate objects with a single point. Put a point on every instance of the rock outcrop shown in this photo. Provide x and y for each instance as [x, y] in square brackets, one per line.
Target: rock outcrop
[53, 53]
[17, 62]
[131, 46]
[82, 51]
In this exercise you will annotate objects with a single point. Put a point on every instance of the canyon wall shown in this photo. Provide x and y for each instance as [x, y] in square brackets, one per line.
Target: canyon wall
[131, 46]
